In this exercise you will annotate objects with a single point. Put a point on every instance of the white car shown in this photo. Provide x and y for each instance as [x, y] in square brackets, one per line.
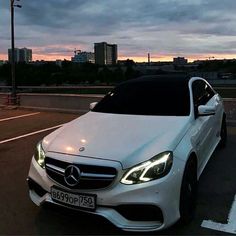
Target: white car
[136, 157]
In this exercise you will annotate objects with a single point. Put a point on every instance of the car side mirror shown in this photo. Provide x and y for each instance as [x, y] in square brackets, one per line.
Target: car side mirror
[92, 105]
[204, 110]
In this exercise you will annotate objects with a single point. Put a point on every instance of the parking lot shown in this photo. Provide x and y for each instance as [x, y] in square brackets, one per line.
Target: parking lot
[20, 130]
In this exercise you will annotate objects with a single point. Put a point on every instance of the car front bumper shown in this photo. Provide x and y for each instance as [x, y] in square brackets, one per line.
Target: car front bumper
[162, 194]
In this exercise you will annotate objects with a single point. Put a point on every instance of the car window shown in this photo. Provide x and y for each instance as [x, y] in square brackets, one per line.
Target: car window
[210, 91]
[202, 93]
[147, 98]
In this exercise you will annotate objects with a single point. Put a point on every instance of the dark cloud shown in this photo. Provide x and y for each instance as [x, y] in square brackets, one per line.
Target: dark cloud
[51, 13]
[162, 26]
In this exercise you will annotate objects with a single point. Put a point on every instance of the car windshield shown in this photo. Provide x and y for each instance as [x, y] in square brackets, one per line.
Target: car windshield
[147, 98]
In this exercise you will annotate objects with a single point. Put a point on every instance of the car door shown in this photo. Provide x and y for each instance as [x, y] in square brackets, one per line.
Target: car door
[216, 119]
[203, 124]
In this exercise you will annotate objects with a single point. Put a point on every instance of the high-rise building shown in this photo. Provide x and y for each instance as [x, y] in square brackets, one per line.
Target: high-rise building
[16, 54]
[21, 55]
[105, 54]
[25, 55]
[83, 57]
[180, 61]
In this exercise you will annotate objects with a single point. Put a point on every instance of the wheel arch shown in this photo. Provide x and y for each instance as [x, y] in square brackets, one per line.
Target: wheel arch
[193, 161]
[193, 157]
[224, 116]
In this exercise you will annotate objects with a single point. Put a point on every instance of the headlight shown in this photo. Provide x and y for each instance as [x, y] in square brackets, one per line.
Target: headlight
[155, 168]
[40, 155]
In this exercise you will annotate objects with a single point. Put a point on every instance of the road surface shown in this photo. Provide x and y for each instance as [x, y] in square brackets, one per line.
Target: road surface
[20, 132]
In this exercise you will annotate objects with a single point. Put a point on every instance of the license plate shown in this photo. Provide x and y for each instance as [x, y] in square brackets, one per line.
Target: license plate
[73, 199]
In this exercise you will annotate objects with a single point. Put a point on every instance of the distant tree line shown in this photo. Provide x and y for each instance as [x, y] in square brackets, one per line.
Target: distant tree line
[226, 66]
[87, 73]
[68, 73]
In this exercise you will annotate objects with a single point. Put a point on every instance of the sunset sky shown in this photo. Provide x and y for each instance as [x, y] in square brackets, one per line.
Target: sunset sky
[196, 29]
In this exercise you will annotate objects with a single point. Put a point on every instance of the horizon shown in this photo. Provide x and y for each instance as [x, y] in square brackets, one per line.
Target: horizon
[138, 59]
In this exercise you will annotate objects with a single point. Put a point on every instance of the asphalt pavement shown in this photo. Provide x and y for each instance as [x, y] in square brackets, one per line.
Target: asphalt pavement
[21, 130]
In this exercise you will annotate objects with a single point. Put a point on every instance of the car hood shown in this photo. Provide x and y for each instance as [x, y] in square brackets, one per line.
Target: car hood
[128, 139]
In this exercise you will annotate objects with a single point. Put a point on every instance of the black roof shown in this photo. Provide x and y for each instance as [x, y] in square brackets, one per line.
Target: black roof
[179, 79]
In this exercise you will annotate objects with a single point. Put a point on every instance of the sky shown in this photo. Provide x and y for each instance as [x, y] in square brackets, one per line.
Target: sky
[195, 29]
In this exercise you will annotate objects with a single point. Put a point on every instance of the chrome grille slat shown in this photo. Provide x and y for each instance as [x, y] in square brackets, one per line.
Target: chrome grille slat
[55, 168]
[98, 176]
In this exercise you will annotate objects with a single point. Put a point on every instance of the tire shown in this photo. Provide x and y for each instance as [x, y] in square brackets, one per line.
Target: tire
[223, 133]
[188, 194]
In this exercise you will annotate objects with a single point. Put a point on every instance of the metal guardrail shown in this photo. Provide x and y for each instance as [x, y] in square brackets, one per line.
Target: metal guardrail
[76, 103]
[55, 87]
[80, 87]
[226, 92]
[60, 89]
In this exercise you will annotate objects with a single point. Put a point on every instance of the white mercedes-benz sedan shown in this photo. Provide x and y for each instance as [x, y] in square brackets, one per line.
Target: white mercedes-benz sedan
[135, 158]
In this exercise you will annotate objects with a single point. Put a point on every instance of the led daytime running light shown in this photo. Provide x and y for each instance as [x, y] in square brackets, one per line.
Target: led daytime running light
[146, 171]
[40, 155]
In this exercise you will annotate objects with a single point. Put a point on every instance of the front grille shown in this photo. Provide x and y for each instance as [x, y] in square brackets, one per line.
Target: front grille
[91, 176]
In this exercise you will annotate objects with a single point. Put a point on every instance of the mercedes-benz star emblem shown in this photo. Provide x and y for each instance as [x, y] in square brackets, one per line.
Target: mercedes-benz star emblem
[72, 175]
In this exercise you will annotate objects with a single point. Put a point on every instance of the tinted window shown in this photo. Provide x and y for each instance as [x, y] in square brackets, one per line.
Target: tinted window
[202, 92]
[147, 98]
[211, 93]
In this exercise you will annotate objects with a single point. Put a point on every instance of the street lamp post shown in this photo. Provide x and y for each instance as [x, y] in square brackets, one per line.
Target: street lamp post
[13, 94]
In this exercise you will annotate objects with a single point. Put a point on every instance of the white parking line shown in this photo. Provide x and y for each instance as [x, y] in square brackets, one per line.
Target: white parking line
[227, 228]
[29, 134]
[21, 116]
